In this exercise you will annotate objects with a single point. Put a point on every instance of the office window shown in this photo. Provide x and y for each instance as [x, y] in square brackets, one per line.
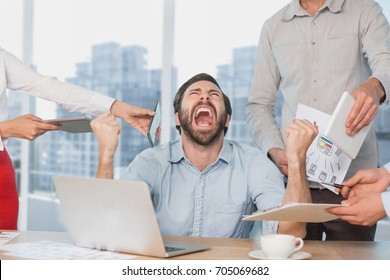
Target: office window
[116, 47]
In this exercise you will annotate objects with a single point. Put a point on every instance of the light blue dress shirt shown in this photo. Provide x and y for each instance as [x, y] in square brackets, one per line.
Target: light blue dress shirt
[211, 203]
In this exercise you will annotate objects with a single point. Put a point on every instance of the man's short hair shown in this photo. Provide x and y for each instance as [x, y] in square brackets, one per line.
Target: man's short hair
[199, 77]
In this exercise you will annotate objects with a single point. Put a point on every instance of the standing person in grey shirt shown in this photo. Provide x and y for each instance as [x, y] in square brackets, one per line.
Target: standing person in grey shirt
[202, 185]
[312, 51]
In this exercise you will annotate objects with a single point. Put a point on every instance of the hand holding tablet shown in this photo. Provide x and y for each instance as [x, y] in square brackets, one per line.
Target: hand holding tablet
[73, 125]
[154, 125]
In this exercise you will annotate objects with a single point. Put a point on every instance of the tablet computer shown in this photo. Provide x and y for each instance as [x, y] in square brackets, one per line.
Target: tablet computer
[154, 125]
[335, 130]
[73, 125]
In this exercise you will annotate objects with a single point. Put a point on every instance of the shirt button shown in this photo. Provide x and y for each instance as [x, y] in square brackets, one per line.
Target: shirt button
[313, 43]
[315, 99]
[199, 202]
[315, 81]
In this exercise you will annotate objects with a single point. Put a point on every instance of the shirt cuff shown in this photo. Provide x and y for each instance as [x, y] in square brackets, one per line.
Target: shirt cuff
[386, 202]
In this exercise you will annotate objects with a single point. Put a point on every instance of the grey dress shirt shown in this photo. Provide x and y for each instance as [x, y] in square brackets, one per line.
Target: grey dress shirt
[212, 202]
[312, 60]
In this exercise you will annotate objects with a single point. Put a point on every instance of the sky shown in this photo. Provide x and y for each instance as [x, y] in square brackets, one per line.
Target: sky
[206, 31]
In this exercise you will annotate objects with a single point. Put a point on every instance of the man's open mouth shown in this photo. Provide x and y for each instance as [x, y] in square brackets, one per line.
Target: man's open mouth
[204, 116]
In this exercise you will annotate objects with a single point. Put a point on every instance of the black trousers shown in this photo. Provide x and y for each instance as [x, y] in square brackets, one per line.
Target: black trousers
[336, 229]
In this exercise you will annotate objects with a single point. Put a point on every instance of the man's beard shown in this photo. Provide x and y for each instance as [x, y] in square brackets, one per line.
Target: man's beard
[202, 138]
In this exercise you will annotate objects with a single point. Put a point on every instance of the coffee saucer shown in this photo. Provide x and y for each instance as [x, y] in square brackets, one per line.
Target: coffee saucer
[259, 254]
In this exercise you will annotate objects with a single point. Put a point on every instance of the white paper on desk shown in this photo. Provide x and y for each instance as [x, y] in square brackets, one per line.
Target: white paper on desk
[324, 161]
[6, 236]
[296, 212]
[48, 250]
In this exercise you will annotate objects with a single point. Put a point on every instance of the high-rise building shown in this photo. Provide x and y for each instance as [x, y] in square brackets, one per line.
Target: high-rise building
[235, 80]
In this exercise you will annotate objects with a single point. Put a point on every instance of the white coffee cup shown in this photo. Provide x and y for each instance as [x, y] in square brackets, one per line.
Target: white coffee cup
[280, 246]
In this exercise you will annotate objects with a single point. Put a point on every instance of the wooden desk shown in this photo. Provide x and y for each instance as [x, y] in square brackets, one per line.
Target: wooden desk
[228, 248]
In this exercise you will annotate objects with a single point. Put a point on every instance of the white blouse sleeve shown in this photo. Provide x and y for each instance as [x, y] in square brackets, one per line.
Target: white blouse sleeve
[19, 76]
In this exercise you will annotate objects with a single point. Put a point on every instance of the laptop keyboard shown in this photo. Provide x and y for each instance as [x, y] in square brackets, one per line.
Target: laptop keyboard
[172, 249]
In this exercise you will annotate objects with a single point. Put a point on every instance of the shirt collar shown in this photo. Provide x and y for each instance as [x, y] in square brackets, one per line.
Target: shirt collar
[177, 152]
[295, 8]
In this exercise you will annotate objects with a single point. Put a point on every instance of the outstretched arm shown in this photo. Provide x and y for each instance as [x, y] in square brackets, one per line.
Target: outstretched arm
[137, 117]
[26, 127]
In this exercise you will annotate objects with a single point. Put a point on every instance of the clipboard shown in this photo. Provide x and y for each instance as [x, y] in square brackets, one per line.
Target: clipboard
[73, 125]
[296, 212]
[335, 130]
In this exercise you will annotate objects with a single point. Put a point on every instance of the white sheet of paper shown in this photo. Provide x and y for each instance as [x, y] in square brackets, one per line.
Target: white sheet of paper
[6, 236]
[48, 250]
[324, 161]
[297, 212]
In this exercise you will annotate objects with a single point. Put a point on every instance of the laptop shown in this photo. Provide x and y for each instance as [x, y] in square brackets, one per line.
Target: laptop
[114, 215]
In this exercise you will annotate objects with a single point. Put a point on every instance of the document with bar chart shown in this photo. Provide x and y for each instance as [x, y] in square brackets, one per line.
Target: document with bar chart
[325, 162]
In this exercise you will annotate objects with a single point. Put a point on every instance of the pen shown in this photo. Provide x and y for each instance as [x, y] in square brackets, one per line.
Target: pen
[338, 186]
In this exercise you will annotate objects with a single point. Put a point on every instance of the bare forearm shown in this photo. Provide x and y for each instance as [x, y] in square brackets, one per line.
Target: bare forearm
[297, 188]
[105, 167]
[297, 191]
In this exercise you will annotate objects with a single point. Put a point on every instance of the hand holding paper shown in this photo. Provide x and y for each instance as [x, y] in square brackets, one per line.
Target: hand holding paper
[367, 96]
[325, 162]
[336, 130]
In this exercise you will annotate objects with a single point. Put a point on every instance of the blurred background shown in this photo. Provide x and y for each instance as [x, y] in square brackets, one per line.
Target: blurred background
[138, 51]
